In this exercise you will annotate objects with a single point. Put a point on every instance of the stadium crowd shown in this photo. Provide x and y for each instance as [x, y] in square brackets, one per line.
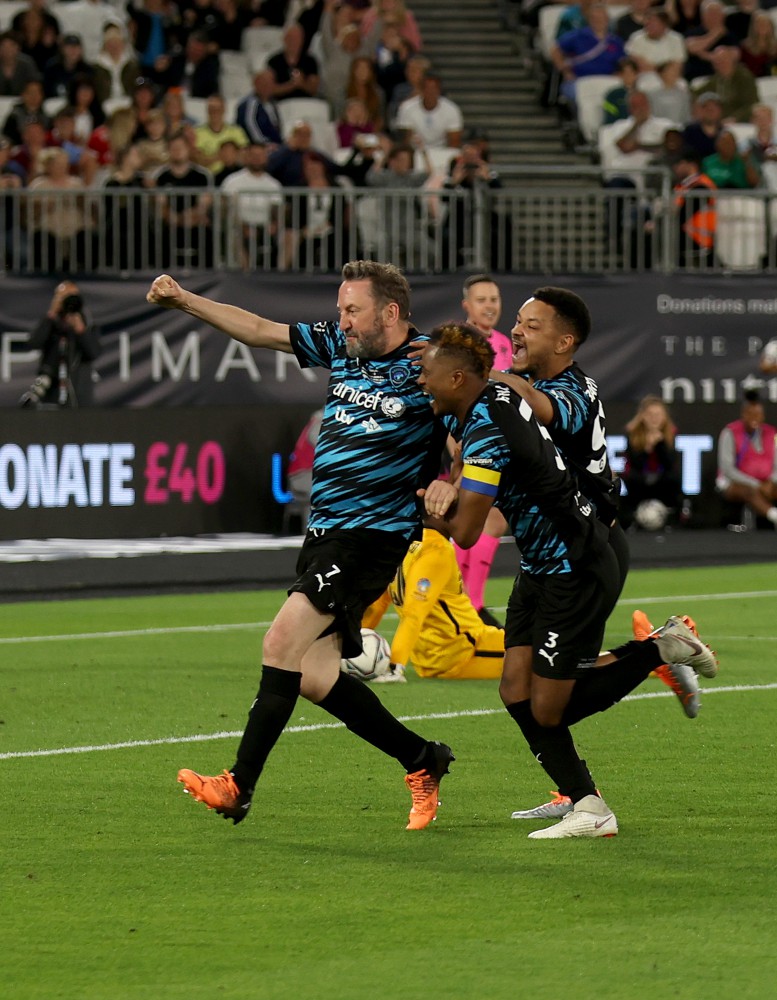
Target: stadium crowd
[248, 98]
[699, 64]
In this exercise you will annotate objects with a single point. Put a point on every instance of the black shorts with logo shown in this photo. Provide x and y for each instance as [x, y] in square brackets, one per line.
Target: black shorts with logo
[342, 571]
[563, 617]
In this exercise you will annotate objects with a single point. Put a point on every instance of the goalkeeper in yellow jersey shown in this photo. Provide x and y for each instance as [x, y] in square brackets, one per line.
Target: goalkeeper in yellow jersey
[439, 631]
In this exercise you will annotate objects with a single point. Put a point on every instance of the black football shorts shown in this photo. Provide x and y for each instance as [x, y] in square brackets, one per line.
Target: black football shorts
[342, 571]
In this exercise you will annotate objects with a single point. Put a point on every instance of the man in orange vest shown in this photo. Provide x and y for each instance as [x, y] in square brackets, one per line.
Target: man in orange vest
[696, 214]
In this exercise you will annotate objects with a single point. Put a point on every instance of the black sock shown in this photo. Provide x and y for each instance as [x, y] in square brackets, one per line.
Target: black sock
[354, 703]
[640, 651]
[554, 748]
[602, 687]
[267, 718]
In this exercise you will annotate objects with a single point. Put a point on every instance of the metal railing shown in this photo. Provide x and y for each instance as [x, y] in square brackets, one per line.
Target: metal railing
[568, 224]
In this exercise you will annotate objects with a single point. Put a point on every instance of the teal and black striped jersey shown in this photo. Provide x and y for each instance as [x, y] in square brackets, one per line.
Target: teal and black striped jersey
[509, 456]
[579, 432]
[379, 439]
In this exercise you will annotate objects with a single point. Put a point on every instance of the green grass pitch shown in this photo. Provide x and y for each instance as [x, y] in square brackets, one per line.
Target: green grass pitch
[116, 886]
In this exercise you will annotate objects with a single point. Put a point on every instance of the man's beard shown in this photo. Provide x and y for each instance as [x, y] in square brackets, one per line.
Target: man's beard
[368, 347]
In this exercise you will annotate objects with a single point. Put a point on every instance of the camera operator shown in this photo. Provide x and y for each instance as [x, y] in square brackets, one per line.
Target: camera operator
[68, 344]
[471, 172]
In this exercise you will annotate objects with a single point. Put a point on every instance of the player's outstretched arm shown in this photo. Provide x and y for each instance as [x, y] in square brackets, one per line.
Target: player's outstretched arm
[240, 324]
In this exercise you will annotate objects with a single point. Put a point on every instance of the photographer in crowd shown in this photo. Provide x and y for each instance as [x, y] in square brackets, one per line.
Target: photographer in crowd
[68, 343]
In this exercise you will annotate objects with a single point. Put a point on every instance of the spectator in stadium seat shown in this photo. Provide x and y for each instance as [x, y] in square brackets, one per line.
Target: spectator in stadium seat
[256, 201]
[683, 14]
[733, 83]
[201, 15]
[341, 43]
[315, 220]
[272, 12]
[633, 143]
[633, 20]
[257, 114]
[16, 69]
[234, 18]
[38, 33]
[728, 168]
[195, 69]
[758, 51]
[395, 13]
[175, 112]
[60, 222]
[88, 111]
[615, 105]
[672, 99]
[83, 162]
[592, 50]
[398, 229]
[739, 20]
[355, 122]
[87, 19]
[656, 43]
[143, 102]
[747, 460]
[187, 234]
[116, 69]
[127, 241]
[405, 81]
[153, 151]
[63, 67]
[296, 71]
[231, 159]
[286, 162]
[209, 137]
[29, 105]
[155, 31]
[574, 16]
[702, 41]
[626, 149]
[763, 145]
[27, 154]
[433, 119]
[37, 7]
[362, 84]
[702, 133]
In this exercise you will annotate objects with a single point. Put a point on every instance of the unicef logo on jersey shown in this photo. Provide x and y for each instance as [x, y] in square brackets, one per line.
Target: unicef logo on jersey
[392, 406]
[398, 375]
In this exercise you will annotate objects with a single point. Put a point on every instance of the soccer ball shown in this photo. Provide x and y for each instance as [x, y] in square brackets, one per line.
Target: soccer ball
[651, 515]
[374, 659]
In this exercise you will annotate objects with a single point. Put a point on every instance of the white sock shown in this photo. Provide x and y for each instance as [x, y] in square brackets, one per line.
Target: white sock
[772, 515]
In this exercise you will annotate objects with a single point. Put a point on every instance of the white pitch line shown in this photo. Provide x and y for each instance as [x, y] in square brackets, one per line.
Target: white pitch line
[319, 726]
[243, 626]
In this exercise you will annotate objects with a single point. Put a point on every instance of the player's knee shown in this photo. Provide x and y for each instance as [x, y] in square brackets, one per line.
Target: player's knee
[546, 714]
[509, 691]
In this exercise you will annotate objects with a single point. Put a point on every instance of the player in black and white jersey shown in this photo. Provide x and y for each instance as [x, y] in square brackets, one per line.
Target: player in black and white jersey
[549, 328]
[379, 441]
[553, 675]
